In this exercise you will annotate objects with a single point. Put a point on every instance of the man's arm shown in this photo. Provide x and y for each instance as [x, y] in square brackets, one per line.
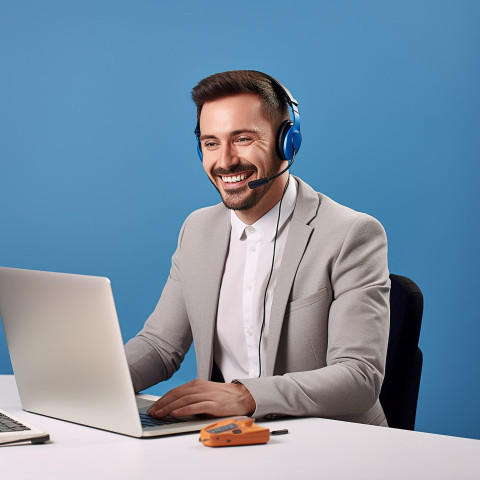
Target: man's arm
[157, 351]
[358, 327]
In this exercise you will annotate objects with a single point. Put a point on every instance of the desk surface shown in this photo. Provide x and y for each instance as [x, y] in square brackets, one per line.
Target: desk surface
[314, 448]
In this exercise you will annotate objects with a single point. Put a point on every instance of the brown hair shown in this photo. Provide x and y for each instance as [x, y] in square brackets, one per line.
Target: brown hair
[236, 82]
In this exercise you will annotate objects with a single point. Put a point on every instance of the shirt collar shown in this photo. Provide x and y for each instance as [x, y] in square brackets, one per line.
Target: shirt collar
[267, 225]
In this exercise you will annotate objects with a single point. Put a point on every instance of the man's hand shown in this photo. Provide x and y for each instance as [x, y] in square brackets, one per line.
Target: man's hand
[203, 397]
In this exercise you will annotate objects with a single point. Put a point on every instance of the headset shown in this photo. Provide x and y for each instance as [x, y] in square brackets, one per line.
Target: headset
[289, 137]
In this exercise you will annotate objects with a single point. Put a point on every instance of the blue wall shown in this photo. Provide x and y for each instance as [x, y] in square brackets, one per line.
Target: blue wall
[97, 156]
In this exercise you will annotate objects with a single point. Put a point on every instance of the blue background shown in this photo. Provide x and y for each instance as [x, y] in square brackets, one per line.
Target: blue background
[99, 169]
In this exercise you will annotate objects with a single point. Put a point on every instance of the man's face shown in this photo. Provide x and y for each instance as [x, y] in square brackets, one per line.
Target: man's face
[238, 146]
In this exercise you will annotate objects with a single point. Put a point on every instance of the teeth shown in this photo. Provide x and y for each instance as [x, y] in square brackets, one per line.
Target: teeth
[235, 178]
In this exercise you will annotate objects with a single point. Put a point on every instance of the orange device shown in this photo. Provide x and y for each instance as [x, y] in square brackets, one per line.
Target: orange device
[234, 431]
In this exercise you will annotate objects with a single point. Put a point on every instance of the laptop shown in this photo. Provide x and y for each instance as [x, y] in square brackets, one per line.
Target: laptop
[67, 354]
[14, 430]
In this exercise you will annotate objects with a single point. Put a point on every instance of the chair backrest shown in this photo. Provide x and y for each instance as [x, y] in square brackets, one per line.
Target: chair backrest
[401, 384]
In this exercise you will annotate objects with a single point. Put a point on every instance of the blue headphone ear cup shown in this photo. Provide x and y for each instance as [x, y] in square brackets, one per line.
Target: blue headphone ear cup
[199, 150]
[199, 145]
[282, 135]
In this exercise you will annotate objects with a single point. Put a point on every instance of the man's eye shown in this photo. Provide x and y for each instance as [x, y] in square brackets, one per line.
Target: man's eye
[243, 139]
[210, 144]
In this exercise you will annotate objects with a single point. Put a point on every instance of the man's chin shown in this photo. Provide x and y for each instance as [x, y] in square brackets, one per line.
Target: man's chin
[241, 201]
[239, 198]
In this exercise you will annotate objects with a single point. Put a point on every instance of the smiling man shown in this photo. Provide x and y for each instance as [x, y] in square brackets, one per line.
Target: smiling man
[284, 292]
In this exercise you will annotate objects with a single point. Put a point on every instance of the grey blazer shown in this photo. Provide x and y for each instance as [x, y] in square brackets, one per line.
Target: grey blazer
[329, 321]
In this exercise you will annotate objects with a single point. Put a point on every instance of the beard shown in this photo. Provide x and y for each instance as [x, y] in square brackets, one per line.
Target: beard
[242, 198]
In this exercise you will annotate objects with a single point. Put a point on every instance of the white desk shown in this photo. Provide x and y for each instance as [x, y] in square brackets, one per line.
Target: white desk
[314, 449]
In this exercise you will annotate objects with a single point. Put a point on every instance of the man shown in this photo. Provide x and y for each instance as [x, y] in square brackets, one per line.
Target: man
[284, 292]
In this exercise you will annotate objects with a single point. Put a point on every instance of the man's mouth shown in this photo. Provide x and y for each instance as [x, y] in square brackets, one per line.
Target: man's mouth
[235, 178]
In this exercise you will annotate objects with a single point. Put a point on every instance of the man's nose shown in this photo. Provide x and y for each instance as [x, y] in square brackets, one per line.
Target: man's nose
[227, 157]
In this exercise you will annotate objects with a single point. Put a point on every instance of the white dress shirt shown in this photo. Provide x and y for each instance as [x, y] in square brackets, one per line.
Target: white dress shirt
[240, 306]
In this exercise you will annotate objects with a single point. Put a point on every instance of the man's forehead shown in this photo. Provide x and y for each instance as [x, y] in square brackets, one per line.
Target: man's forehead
[235, 113]
[242, 102]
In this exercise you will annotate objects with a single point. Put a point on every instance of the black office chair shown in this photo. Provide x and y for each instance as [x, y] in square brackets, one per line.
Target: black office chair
[400, 387]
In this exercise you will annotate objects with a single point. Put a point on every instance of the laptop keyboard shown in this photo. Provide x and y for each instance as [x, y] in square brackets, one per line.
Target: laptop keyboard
[8, 424]
[148, 421]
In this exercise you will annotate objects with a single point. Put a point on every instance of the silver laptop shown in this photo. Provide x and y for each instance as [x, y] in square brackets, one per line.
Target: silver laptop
[15, 430]
[68, 357]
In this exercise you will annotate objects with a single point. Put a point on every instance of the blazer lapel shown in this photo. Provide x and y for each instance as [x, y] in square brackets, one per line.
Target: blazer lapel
[214, 255]
[298, 236]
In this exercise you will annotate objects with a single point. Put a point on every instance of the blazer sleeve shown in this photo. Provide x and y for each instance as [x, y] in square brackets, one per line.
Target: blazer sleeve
[157, 351]
[358, 327]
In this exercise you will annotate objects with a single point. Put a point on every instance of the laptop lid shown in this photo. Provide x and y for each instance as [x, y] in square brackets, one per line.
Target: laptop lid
[66, 349]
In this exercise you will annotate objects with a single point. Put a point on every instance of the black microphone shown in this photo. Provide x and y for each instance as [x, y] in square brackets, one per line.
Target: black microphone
[263, 181]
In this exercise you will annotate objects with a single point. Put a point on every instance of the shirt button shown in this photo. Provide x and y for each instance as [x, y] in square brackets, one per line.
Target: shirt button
[249, 286]
[249, 333]
[252, 248]
[250, 229]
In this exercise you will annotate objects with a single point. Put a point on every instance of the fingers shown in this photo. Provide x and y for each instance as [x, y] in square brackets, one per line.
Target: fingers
[203, 397]
[198, 408]
[184, 395]
[178, 406]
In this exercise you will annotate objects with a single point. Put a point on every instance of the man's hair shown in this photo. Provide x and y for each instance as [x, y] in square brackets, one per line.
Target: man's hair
[236, 82]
